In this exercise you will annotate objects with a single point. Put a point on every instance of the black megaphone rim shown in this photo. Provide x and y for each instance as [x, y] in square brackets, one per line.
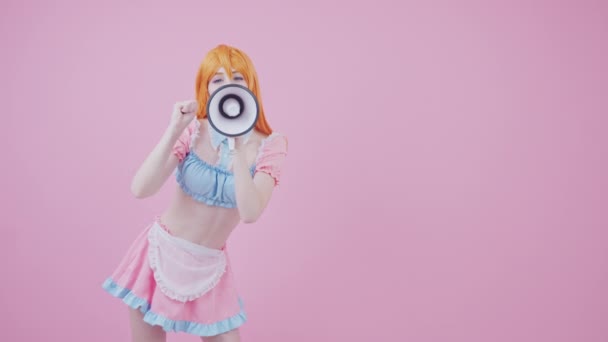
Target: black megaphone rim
[257, 109]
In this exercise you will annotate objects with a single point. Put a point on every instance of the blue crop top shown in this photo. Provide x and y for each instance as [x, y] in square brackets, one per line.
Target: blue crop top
[213, 184]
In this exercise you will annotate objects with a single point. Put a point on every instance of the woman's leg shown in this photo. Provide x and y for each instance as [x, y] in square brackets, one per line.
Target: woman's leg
[230, 336]
[142, 331]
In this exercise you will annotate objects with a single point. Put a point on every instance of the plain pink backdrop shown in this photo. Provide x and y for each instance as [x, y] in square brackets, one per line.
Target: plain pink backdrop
[446, 178]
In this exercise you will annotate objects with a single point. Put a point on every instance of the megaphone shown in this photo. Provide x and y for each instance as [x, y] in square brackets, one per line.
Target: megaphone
[233, 111]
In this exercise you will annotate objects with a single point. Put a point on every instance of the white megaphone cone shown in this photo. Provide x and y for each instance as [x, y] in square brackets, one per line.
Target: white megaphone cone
[232, 111]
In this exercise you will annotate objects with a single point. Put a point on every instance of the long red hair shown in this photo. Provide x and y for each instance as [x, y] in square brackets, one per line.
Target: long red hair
[230, 58]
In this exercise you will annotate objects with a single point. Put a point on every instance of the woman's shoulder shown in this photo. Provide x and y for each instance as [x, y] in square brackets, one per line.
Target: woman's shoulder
[276, 138]
[272, 152]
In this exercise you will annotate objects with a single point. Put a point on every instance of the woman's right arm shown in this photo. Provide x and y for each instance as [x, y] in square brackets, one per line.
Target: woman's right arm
[161, 161]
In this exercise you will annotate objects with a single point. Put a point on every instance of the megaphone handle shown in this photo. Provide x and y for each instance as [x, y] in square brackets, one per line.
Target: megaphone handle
[231, 144]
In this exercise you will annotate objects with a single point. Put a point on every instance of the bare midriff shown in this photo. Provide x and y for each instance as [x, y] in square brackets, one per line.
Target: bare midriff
[199, 223]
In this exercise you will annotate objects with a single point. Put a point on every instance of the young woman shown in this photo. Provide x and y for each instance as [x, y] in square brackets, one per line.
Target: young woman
[176, 276]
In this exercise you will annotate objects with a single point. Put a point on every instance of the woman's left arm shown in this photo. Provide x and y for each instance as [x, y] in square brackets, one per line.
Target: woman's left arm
[253, 193]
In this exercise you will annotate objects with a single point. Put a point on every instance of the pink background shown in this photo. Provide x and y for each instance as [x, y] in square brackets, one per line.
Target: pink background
[446, 178]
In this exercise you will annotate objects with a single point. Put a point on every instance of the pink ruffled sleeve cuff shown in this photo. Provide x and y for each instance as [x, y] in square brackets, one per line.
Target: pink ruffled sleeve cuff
[272, 155]
[183, 143]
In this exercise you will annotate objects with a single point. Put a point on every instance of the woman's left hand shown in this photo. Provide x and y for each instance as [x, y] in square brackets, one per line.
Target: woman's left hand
[239, 143]
[247, 149]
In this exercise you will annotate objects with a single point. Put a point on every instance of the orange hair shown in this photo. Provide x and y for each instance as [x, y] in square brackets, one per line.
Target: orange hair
[230, 58]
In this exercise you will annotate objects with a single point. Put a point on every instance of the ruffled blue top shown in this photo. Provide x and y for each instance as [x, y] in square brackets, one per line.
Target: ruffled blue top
[206, 183]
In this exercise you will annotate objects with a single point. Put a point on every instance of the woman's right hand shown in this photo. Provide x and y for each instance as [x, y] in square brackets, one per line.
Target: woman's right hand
[182, 115]
[159, 164]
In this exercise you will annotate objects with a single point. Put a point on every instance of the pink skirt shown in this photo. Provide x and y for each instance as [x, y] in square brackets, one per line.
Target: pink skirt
[178, 285]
